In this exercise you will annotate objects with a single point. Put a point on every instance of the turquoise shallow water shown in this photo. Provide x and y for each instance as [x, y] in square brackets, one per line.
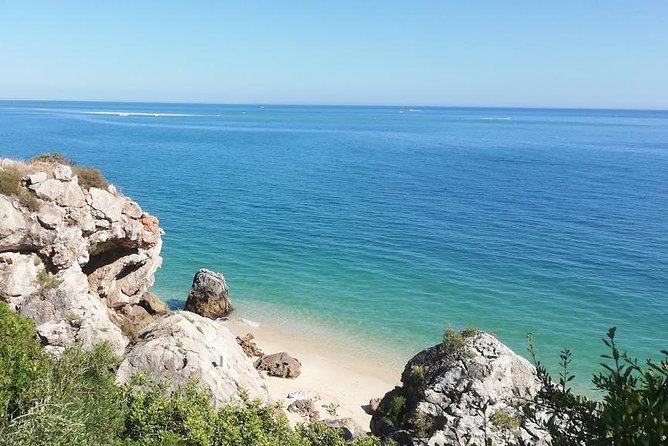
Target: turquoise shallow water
[377, 226]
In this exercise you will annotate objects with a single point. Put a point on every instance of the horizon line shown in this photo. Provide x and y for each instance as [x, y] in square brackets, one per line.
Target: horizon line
[126, 101]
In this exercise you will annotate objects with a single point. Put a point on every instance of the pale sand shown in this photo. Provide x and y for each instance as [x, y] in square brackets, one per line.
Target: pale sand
[329, 375]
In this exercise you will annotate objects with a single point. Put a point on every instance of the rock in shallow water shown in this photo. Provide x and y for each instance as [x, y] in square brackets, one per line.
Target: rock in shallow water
[209, 295]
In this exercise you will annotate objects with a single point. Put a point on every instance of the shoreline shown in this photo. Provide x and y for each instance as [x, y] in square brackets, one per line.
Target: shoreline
[330, 375]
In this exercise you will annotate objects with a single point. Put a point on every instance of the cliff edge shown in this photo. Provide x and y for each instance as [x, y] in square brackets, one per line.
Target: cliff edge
[76, 257]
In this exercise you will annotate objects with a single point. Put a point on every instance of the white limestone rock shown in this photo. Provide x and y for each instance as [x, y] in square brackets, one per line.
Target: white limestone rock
[184, 345]
[36, 178]
[48, 190]
[132, 209]
[106, 203]
[72, 196]
[50, 216]
[18, 276]
[458, 390]
[62, 172]
[88, 266]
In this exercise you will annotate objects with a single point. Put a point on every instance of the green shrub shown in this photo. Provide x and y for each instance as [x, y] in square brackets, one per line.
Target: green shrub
[332, 409]
[51, 158]
[47, 281]
[469, 332]
[504, 420]
[422, 424]
[21, 358]
[419, 372]
[157, 417]
[72, 401]
[633, 409]
[455, 343]
[90, 177]
[395, 409]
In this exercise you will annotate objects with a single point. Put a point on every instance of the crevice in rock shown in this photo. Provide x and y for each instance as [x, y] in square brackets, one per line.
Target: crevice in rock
[129, 269]
[103, 257]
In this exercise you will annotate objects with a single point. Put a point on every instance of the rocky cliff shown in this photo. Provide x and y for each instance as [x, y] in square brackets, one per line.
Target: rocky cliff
[78, 257]
[78, 260]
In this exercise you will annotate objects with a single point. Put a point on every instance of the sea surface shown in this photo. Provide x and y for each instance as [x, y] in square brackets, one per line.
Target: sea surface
[373, 228]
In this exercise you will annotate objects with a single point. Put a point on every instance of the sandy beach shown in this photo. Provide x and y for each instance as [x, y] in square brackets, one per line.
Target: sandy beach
[334, 378]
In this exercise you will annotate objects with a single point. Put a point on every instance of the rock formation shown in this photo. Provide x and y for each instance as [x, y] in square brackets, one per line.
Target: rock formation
[249, 346]
[280, 364]
[209, 295]
[183, 346]
[467, 392]
[305, 408]
[77, 260]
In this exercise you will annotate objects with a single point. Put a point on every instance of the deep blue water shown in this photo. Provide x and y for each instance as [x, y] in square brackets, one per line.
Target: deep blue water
[377, 226]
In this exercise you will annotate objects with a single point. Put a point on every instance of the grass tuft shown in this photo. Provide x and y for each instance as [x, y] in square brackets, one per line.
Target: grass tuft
[90, 177]
[47, 281]
[51, 158]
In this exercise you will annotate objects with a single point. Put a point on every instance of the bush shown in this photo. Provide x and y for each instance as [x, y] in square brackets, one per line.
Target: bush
[10, 185]
[633, 409]
[21, 358]
[504, 420]
[455, 343]
[47, 281]
[51, 158]
[75, 401]
[90, 177]
[71, 401]
[10, 180]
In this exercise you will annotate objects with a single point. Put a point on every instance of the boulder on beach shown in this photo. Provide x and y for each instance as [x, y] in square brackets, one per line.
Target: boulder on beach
[209, 295]
[280, 364]
[470, 387]
[305, 408]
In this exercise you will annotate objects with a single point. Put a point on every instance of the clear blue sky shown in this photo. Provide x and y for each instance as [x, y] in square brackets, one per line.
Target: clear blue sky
[569, 53]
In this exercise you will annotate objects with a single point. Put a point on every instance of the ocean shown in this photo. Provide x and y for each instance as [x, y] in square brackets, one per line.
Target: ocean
[373, 228]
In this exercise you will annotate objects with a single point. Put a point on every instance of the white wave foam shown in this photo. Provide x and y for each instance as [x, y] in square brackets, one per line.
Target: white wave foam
[505, 118]
[156, 115]
[249, 322]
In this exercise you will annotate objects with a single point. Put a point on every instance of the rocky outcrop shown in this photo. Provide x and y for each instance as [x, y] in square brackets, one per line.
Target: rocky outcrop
[77, 260]
[470, 391]
[209, 295]
[182, 346]
[280, 364]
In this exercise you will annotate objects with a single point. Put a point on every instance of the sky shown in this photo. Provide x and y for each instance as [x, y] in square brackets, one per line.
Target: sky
[570, 53]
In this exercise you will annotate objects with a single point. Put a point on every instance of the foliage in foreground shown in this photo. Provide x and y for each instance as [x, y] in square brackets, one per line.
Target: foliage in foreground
[75, 401]
[633, 410]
